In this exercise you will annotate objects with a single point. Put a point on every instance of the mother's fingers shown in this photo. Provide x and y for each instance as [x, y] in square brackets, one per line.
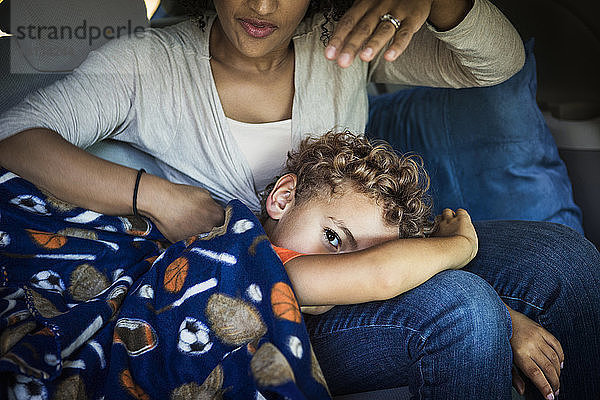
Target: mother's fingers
[555, 344]
[517, 381]
[402, 38]
[447, 213]
[344, 27]
[356, 39]
[384, 31]
[551, 355]
[549, 369]
[361, 30]
[540, 377]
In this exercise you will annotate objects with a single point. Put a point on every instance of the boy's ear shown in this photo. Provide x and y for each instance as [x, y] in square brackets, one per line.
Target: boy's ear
[282, 196]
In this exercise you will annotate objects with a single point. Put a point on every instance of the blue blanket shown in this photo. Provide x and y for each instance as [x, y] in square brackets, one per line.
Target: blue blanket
[91, 307]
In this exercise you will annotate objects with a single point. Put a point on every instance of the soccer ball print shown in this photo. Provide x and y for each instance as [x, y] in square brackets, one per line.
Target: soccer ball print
[31, 203]
[48, 280]
[26, 388]
[194, 338]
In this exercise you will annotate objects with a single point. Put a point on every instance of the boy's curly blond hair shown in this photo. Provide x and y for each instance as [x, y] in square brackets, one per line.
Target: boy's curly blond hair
[328, 164]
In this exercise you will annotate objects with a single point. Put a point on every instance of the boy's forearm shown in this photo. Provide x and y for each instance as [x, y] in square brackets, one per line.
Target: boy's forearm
[407, 263]
[376, 273]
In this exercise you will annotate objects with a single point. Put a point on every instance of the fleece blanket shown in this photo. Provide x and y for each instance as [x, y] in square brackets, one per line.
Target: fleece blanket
[92, 307]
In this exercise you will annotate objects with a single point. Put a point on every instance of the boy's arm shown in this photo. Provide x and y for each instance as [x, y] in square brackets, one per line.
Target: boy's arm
[386, 270]
[377, 273]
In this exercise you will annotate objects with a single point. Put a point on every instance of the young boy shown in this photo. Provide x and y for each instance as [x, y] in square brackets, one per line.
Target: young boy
[350, 218]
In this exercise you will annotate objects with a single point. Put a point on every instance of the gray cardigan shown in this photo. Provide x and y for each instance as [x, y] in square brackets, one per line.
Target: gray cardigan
[158, 94]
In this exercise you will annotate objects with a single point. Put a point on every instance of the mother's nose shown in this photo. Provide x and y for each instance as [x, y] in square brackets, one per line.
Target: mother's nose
[263, 7]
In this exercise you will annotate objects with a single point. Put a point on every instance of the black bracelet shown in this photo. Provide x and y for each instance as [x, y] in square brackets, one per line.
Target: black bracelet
[135, 189]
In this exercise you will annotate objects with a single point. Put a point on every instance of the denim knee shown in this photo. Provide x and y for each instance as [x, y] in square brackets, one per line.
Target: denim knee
[537, 264]
[467, 351]
[447, 338]
[550, 273]
[467, 314]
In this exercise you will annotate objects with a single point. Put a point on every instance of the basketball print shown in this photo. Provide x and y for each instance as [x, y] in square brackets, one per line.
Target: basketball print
[284, 303]
[47, 240]
[175, 275]
[190, 240]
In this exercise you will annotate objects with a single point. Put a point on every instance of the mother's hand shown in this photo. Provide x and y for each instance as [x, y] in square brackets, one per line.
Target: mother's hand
[537, 354]
[178, 211]
[361, 30]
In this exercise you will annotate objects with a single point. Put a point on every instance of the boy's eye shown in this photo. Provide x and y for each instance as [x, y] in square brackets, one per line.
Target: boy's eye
[332, 238]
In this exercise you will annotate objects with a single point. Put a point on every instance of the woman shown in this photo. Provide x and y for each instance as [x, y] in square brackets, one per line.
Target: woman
[203, 101]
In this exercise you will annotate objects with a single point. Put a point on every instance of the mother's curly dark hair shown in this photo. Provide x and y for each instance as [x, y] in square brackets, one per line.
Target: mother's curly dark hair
[332, 11]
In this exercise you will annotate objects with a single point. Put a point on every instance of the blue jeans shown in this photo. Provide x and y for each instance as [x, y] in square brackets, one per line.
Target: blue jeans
[449, 337]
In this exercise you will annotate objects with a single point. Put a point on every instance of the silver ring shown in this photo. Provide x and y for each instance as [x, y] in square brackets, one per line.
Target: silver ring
[390, 18]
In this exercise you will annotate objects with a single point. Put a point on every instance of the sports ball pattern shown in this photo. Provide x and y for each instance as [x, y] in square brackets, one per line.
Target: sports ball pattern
[27, 388]
[194, 337]
[175, 274]
[31, 203]
[95, 306]
[48, 280]
[47, 240]
[284, 303]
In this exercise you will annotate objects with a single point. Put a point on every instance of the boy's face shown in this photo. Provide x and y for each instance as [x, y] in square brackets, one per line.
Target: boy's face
[345, 223]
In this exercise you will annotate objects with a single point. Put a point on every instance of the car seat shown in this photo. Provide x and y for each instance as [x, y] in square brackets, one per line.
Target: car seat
[27, 64]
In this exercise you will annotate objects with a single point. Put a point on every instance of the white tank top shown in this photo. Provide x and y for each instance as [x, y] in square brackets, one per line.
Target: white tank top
[265, 147]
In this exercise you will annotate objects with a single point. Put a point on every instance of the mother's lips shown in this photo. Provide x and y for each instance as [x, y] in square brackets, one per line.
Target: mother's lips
[257, 28]
[258, 22]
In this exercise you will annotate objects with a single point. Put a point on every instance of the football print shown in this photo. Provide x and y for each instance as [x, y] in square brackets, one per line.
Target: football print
[269, 367]
[137, 226]
[136, 335]
[233, 320]
[87, 282]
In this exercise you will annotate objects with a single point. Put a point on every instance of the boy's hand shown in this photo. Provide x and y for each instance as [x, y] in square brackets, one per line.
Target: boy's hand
[315, 310]
[537, 354]
[458, 223]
